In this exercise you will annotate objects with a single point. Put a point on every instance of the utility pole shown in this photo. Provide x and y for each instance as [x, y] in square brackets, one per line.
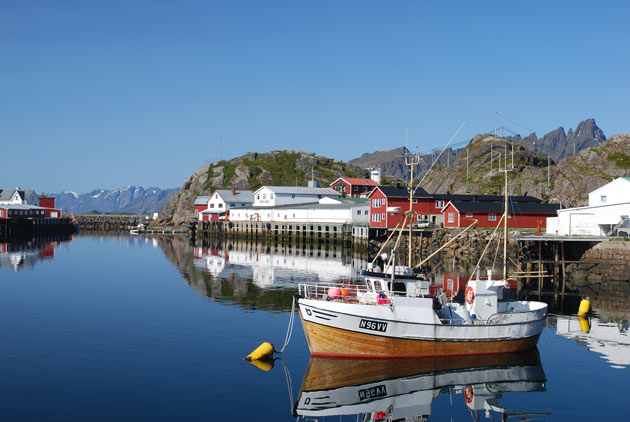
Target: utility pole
[548, 178]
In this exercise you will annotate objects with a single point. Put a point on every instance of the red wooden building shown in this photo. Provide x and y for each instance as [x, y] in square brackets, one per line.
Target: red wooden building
[388, 203]
[354, 186]
[488, 214]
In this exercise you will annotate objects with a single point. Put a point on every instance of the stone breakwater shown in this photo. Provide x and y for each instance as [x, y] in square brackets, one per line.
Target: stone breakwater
[464, 251]
[108, 222]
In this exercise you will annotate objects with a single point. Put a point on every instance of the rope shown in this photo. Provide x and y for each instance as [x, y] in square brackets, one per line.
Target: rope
[287, 338]
[287, 376]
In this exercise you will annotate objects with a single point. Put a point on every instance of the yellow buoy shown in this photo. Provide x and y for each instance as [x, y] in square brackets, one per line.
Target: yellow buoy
[264, 350]
[585, 307]
[266, 363]
[585, 326]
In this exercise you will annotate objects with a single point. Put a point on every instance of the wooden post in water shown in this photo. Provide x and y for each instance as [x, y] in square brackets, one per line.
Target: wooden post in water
[539, 268]
[564, 276]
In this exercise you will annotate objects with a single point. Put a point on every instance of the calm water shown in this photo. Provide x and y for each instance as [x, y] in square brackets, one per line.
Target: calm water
[134, 328]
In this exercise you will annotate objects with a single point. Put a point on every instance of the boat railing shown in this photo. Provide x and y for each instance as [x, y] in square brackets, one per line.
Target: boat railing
[332, 291]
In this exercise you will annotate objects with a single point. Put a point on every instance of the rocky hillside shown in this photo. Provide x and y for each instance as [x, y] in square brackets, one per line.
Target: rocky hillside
[557, 144]
[130, 199]
[392, 162]
[251, 171]
[570, 180]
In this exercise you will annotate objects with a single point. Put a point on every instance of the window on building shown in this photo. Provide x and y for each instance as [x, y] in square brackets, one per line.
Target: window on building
[264, 196]
[257, 196]
[1, 213]
[211, 205]
[451, 217]
[355, 188]
[366, 212]
[383, 216]
[415, 201]
[602, 198]
[419, 217]
[469, 215]
[271, 196]
[376, 218]
[232, 205]
[319, 196]
[492, 216]
[376, 202]
[220, 206]
[293, 196]
[439, 204]
[358, 212]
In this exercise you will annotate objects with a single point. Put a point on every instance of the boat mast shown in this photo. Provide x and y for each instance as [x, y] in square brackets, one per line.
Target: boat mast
[414, 161]
[505, 226]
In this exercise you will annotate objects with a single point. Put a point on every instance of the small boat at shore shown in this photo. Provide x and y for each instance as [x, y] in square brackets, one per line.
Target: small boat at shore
[386, 389]
[394, 315]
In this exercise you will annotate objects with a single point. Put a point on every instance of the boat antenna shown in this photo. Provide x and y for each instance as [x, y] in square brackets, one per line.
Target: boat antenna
[440, 154]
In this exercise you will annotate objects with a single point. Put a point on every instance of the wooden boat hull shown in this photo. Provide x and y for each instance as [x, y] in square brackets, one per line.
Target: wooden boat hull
[324, 340]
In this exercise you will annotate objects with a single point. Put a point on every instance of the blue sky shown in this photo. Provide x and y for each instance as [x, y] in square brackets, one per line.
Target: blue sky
[110, 93]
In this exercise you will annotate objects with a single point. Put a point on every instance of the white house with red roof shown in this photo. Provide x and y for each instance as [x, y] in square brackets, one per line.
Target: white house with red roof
[219, 204]
[354, 186]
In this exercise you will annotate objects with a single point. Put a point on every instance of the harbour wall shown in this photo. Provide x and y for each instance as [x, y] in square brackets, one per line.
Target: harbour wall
[282, 232]
[108, 221]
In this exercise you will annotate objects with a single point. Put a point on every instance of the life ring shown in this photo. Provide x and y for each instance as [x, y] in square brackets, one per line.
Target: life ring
[470, 295]
[468, 394]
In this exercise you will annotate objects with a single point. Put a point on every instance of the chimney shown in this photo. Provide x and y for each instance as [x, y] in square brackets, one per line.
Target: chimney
[234, 191]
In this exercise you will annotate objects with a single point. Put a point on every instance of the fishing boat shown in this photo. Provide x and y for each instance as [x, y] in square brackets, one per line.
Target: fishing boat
[398, 317]
[404, 390]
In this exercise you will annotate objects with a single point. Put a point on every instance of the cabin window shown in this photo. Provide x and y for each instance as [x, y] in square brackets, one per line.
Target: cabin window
[293, 196]
[492, 216]
[451, 217]
[602, 198]
[377, 285]
[469, 215]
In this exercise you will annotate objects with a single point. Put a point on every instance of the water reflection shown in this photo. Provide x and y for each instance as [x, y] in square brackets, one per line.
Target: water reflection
[278, 265]
[17, 256]
[405, 389]
[606, 336]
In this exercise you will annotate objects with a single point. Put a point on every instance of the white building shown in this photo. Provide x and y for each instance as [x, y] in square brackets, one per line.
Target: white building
[326, 211]
[273, 196]
[607, 213]
[223, 200]
[18, 196]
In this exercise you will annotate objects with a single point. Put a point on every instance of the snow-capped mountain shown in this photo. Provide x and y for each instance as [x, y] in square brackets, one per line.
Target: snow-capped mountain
[130, 199]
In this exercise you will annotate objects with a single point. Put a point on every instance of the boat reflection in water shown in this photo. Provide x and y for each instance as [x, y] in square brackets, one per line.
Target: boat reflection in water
[404, 389]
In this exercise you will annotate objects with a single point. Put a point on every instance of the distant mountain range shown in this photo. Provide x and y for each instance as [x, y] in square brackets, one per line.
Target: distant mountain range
[130, 199]
[557, 144]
